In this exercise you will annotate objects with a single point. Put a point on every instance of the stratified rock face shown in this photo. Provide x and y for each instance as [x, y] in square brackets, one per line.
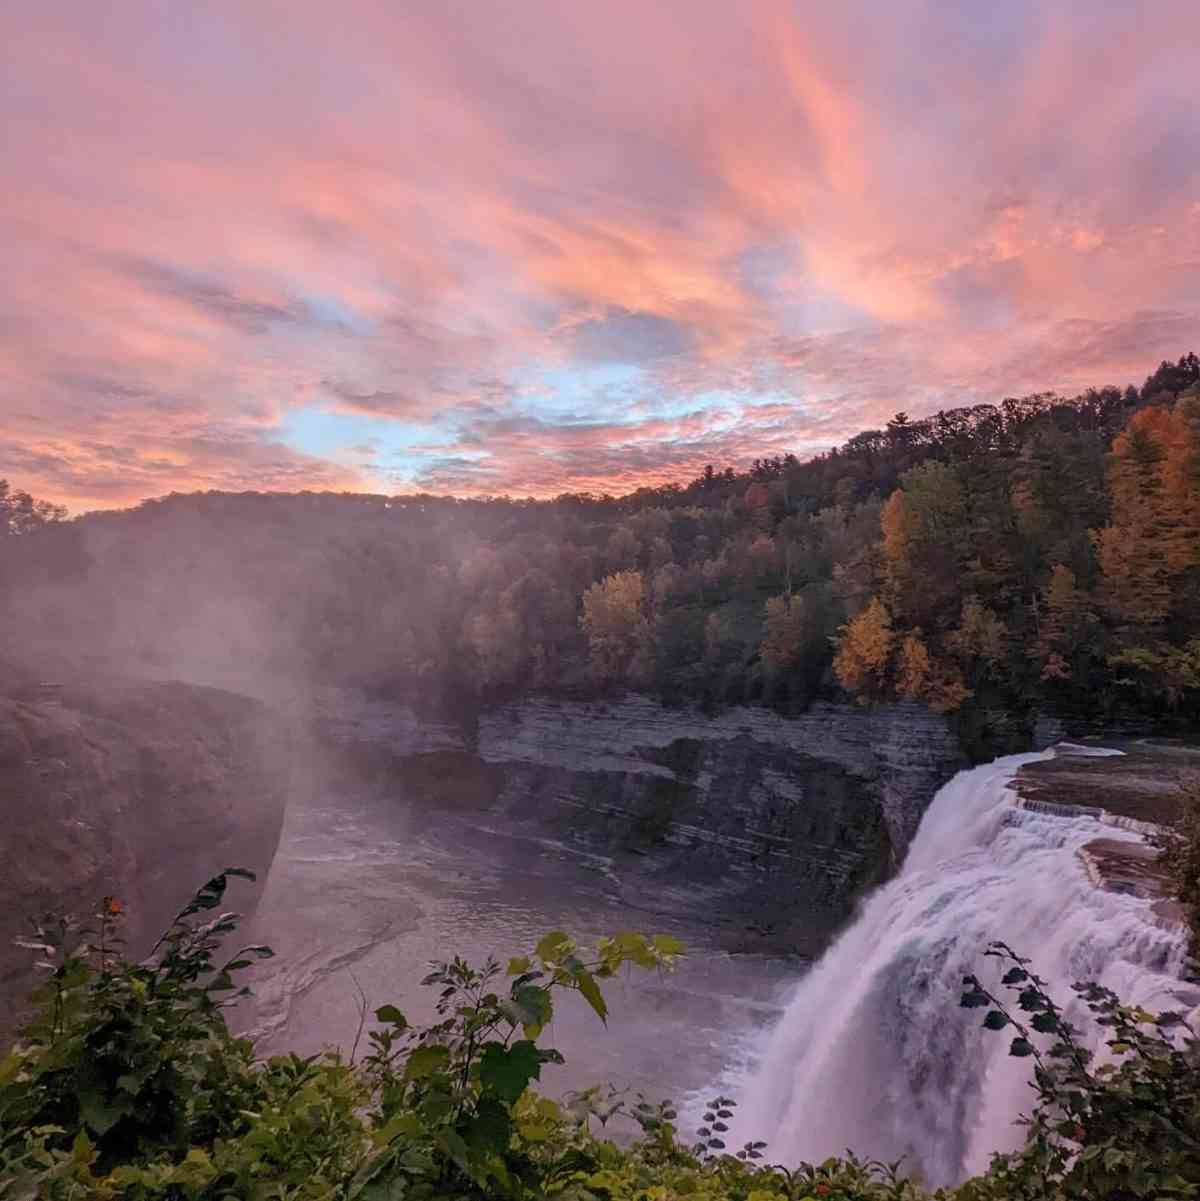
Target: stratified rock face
[138, 791]
[786, 818]
[901, 754]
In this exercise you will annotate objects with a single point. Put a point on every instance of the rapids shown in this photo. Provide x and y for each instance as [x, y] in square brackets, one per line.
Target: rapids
[873, 1053]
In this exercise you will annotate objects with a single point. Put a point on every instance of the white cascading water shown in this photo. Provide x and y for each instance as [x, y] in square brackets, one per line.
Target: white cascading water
[873, 1052]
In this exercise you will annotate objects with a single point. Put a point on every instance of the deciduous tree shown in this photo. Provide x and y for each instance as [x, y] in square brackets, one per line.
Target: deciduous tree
[864, 651]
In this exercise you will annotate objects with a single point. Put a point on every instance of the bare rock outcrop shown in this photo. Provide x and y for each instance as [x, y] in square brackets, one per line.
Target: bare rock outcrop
[785, 820]
[1136, 791]
[135, 790]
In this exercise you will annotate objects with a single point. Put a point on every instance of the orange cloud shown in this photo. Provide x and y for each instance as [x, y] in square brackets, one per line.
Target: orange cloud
[781, 220]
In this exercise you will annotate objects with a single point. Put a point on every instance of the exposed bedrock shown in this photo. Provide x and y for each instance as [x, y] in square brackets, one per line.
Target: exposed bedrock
[785, 819]
[135, 790]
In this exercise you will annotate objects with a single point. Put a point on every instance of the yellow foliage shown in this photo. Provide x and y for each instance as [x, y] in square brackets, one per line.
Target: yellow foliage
[1065, 623]
[496, 640]
[864, 650]
[980, 633]
[914, 666]
[784, 639]
[946, 691]
[1152, 500]
[615, 623]
[896, 525]
[1181, 485]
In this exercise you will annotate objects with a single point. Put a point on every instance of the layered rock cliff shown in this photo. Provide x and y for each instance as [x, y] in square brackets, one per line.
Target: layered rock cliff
[135, 790]
[786, 820]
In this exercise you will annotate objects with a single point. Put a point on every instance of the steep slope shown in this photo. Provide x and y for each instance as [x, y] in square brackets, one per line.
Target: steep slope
[140, 791]
[787, 820]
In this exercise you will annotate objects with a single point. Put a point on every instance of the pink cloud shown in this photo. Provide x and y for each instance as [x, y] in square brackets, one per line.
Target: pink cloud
[217, 215]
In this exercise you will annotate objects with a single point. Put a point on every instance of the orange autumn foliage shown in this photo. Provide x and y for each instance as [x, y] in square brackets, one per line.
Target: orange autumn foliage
[865, 650]
[1154, 534]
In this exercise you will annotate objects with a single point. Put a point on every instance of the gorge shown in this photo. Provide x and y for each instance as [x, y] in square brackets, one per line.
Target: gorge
[752, 837]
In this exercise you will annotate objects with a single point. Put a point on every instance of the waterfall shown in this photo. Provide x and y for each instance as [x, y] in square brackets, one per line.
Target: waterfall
[872, 1052]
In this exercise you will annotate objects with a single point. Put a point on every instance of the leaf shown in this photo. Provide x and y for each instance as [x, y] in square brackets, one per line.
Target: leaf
[975, 999]
[1014, 976]
[31, 944]
[406, 1124]
[592, 994]
[82, 1150]
[426, 1061]
[391, 1015]
[665, 944]
[529, 1006]
[489, 1130]
[1020, 1047]
[508, 1071]
[554, 946]
[1031, 1000]
[102, 1115]
[453, 1145]
[1044, 1023]
[636, 948]
[519, 965]
[208, 895]
[995, 1020]
[1114, 1157]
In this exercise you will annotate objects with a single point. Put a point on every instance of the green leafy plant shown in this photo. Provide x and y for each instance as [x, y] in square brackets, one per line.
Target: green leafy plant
[129, 1084]
[1125, 1128]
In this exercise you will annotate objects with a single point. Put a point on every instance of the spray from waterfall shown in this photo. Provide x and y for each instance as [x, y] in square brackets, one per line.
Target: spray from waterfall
[872, 1052]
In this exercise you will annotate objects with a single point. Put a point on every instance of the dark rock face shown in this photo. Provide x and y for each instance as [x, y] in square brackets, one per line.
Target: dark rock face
[786, 820]
[139, 791]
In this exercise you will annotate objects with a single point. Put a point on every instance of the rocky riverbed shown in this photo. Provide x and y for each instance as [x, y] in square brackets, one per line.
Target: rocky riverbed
[1137, 789]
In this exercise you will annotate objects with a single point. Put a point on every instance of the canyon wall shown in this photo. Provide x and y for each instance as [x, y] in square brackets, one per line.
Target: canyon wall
[785, 821]
[135, 790]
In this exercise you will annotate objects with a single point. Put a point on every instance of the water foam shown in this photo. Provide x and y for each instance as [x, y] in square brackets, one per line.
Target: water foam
[872, 1052]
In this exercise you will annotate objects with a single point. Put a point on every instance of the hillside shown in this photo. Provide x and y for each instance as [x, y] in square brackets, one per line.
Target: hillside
[1038, 554]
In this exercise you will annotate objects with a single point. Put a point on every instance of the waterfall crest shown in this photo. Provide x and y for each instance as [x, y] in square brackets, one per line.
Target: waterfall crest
[872, 1052]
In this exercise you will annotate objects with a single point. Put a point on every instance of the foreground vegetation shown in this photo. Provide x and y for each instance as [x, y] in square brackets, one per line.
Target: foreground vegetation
[1042, 553]
[129, 1084]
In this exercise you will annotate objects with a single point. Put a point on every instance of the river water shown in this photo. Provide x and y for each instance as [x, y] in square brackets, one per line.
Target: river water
[365, 892]
[867, 1049]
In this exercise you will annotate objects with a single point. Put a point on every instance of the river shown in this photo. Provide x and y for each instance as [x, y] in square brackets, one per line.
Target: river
[365, 892]
[866, 1049]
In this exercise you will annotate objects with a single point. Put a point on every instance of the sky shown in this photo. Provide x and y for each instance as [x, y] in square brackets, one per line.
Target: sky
[525, 247]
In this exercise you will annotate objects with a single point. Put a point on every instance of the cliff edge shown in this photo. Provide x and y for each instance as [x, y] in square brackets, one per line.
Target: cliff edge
[135, 790]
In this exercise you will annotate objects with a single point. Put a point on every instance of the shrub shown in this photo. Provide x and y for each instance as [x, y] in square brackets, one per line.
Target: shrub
[1114, 1131]
[128, 1083]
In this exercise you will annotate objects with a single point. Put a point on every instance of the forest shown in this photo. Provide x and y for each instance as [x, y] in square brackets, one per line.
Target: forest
[1039, 554]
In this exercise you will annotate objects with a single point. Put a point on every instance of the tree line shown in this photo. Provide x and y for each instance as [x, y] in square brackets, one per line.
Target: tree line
[1040, 553]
